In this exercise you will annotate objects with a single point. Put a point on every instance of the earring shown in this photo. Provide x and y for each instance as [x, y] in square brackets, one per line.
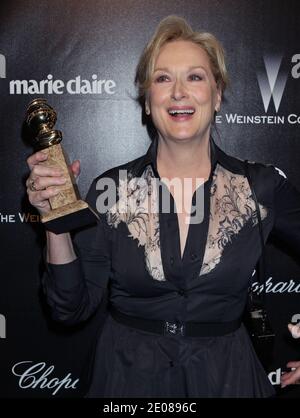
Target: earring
[147, 110]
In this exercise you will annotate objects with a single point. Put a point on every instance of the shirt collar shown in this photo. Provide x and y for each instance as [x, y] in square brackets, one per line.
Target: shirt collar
[151, 156]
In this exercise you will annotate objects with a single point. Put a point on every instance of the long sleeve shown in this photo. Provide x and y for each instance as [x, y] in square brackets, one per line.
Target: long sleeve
[75, 290]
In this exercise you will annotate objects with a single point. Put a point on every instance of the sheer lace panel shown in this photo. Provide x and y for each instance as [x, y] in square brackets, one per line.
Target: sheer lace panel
[138, 208]
[231, 207]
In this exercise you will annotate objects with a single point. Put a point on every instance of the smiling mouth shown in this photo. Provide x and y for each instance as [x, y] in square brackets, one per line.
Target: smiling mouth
[181, 112]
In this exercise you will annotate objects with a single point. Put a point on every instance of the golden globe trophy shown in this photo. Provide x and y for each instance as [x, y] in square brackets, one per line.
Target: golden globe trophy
[68, 211]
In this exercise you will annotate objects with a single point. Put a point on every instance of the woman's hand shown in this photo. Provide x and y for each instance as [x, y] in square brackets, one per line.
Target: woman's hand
[292, 377]
[43, 182]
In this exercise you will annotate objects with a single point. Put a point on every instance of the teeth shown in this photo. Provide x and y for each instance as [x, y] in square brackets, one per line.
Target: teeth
[181, 112]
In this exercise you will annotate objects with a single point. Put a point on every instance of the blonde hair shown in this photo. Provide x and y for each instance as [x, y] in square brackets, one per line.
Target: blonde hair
[174, 28]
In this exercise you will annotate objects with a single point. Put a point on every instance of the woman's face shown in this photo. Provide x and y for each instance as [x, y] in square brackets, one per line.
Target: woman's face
[183, 95]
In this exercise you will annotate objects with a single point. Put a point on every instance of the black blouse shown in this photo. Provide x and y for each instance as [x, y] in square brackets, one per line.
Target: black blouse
[136, 255]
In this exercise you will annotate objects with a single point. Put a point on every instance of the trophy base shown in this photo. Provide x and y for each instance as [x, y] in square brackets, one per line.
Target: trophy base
[68, 217]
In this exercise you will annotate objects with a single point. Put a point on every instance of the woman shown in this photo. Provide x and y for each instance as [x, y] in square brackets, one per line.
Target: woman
[177, 279]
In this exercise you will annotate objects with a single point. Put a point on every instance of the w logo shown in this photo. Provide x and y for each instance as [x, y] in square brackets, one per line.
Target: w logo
[2, 66]
[272, 83]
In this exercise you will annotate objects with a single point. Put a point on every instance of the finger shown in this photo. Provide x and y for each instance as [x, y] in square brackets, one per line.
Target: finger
[293, 364]
[38, 198]
[45, 171]
[36, 158]
[290, 379]
[75, 167]
[286, 376]
[41, 183]
[293, 376]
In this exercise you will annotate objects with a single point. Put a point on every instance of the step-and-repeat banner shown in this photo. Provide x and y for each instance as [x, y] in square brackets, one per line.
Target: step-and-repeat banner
[81, 56]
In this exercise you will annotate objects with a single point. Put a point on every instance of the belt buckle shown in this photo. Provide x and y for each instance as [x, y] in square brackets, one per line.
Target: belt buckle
[174, 328]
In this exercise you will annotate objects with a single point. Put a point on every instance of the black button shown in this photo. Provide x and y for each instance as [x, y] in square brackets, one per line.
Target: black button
[194, 257]
[181, 292]
[172, 261]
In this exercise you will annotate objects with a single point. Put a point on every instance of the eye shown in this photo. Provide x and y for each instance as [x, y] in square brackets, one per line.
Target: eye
[161, 78]
[196, 77]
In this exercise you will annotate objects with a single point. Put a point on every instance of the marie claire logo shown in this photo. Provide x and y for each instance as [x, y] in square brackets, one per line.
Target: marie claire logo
[37, 376]
[50, 85]
[76, 85]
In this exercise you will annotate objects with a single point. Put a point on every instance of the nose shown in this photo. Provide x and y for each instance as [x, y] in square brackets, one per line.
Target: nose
[179, 91]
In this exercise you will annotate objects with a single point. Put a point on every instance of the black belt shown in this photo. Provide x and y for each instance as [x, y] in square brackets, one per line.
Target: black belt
[189, 329]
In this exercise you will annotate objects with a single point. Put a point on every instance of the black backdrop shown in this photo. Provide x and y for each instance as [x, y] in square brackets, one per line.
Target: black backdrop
[94, 40]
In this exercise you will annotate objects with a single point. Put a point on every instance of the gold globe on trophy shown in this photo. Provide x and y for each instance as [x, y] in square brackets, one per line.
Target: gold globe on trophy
[68, 211]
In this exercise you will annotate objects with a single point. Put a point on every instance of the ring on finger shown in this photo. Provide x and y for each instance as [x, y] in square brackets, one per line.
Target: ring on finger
[32, 186]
